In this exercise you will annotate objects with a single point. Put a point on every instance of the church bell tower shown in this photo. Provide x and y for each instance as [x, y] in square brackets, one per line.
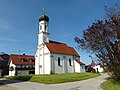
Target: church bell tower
[43, 35]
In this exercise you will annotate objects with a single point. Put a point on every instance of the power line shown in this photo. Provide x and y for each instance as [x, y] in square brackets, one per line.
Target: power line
[65, 37]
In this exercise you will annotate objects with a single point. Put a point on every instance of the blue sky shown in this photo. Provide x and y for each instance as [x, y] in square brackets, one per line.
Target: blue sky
[68, 18]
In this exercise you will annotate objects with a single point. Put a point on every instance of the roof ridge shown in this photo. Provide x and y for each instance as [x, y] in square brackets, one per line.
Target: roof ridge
[51, 41]
[20, 55]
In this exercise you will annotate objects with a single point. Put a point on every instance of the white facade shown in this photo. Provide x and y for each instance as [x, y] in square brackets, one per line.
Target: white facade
[64, 66]
[98, 68]
[12, 73]
[42, 60]
[79, 67]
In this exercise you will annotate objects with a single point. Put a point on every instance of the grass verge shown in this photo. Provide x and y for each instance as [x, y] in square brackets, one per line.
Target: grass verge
[111, 84]
[58, 78]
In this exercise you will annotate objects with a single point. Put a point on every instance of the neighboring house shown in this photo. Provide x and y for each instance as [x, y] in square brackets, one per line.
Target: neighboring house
[52, 56]
[90, 67]
[22, 64]
[96, 67]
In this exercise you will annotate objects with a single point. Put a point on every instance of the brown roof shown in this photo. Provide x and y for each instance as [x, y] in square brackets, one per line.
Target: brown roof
[57, 47]
[1, 58]
[81, 63]
[16, 59]
[91, 65]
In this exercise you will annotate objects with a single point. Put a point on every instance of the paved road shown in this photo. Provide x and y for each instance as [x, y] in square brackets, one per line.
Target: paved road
[90, 84]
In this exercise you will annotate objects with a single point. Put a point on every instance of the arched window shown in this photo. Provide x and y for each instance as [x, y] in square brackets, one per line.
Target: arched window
[59, 62]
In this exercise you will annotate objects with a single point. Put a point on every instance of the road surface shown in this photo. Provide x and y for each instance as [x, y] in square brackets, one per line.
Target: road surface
[90, 84]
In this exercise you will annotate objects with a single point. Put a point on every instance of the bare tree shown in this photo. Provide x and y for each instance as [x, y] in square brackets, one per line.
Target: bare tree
[103, 39]
[112, 11]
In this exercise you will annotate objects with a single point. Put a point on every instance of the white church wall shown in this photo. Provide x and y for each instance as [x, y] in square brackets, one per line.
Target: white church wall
[58, 69]
[82, 68]
[77, 67]
[46, 61]
[39, 61]
[42, 61]
[70, 67]
[37, 71]
[64, 66]
[40, 38]
[47, 64]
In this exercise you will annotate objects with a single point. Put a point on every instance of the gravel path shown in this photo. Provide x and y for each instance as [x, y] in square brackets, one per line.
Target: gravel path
[90, 84]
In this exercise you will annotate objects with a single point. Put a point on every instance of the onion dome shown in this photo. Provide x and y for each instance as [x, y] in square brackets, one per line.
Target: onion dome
[44, 17]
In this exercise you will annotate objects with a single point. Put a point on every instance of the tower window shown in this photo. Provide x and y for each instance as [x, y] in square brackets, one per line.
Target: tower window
[70, 63]
[40, 27]
[45, 26]
[59, 62]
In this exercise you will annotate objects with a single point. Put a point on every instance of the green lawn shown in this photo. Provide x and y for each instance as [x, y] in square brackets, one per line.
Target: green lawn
[58, 78]
[111, 84]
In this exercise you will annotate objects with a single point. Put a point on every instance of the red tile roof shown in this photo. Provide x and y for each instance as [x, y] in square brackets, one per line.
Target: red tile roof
[57, 47]
[16, 59]
[81, 63]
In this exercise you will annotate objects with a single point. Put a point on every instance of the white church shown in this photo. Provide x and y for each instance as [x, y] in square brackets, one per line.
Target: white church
[54, 57]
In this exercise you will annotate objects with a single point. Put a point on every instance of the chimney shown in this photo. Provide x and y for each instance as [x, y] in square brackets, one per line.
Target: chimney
[24, 54]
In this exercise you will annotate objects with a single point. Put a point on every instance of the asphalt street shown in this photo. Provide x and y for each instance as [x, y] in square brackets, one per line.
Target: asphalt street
[90, 84]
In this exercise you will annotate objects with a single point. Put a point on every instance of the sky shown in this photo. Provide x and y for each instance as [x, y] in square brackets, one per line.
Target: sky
[68, 18]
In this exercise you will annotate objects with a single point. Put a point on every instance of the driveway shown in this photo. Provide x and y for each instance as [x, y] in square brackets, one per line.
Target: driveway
[90, 84]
